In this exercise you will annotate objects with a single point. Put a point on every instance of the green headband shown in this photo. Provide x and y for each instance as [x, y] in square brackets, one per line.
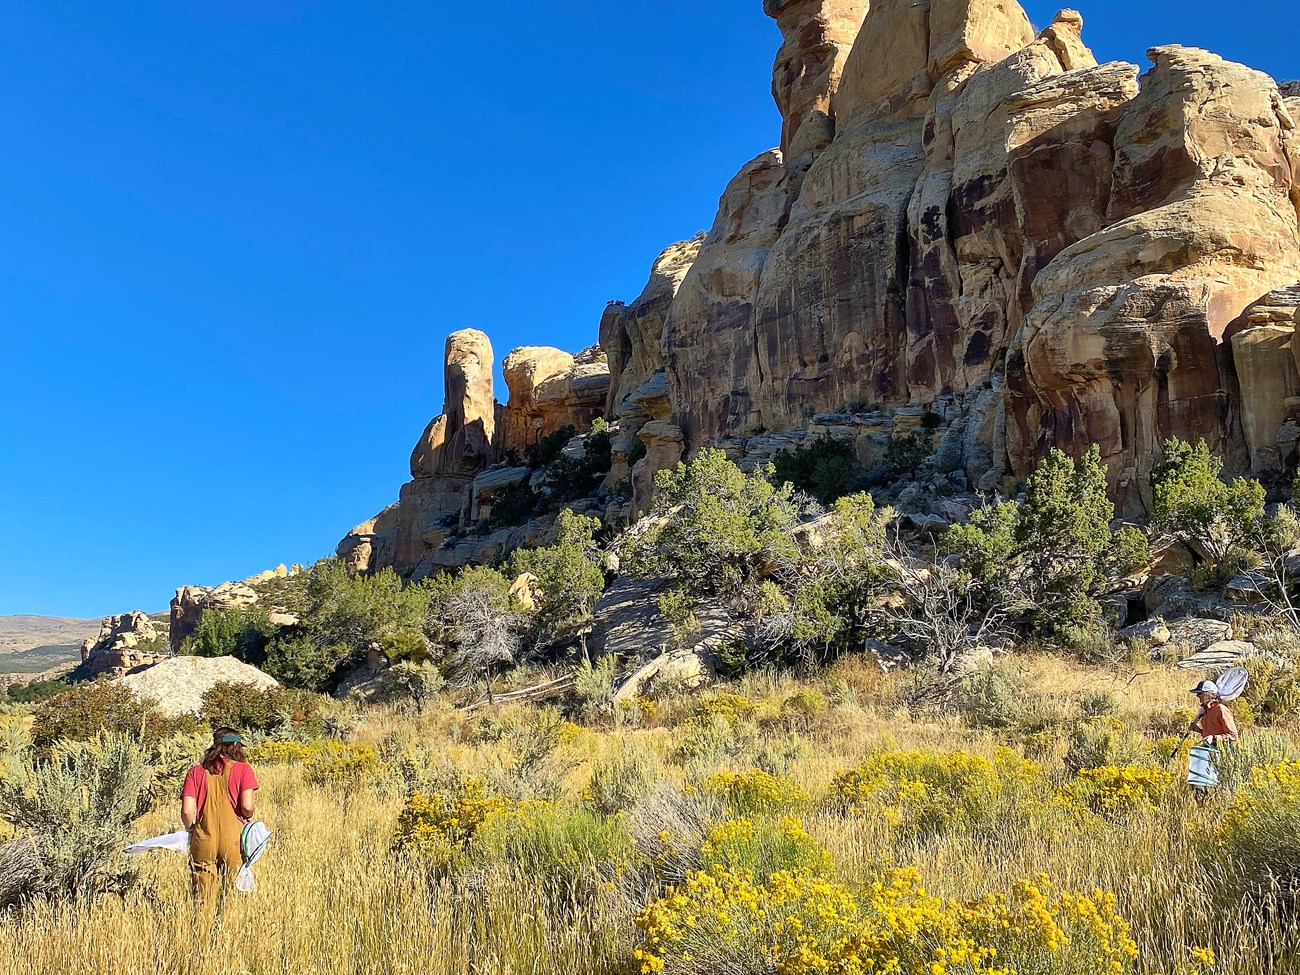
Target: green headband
[230, 739]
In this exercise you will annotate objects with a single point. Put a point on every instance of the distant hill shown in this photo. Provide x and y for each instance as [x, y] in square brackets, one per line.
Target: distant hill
[19, 633]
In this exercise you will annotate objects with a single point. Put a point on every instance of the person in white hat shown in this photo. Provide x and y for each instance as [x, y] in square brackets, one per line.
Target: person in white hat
[1215, 722]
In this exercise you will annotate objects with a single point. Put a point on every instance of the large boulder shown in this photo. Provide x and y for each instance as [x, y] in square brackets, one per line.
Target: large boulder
[179, 683]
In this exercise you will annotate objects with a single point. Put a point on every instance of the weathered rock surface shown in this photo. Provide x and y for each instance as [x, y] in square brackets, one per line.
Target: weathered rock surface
[1264, 354]
[125, 642]
[817, 36]
[179, 683]
[1225, 653]
[190, 602]
[1151, 632]
[1199, 633]
[630, 335]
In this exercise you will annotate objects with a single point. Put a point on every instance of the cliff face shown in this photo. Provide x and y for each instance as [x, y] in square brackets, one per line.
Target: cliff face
[994, 211]
[968, 218]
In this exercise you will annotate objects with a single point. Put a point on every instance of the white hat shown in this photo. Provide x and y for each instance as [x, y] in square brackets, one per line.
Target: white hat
[1206, 687]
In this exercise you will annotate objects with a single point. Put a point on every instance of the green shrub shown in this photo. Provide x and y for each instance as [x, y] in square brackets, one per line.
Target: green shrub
[826, 468]
[804, 705]
[71, 814]
[1099, 704]
[622, 779]
[995, 697]
[405, 646]
[712, 527]
[907, 454]
[1260, 833]
[84, 711]
[547, 449]
[1045, 558]
[35, 692]
[593, 687]
[297, 660]
[570, 578]
[1193, 503]
[513, 506]
[245, 706]
[1273, 690]
[573, 849]
[345, 614]
[242, 633]
[1105, 741]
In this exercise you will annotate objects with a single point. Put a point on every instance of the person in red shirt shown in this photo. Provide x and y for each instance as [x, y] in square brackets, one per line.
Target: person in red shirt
[1215, 722]
[216, 802]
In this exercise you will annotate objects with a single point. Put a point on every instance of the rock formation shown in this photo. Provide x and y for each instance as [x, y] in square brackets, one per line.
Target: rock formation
[550, 389]
[817, 36]
[190, 602]
[967, 221]
[453, 478]
[124, 643]
[178, 684]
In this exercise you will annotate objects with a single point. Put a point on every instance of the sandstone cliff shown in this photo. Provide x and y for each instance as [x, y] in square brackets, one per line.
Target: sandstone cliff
[966, 220]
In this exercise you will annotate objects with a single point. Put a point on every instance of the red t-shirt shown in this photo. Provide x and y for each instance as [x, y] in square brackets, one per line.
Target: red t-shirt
[196, 784]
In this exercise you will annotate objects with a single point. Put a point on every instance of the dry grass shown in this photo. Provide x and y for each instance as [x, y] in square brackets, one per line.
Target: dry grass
[334, 899]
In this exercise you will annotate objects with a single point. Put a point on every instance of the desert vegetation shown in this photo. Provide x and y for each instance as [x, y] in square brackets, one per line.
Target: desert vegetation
[920, 752]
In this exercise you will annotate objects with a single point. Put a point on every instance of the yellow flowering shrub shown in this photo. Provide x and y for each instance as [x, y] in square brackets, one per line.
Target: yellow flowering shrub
[283, 752]
[724, 704]
[1260, 832]
[935, 792]
[437, 825]
[798, 923]
[755, 792]
[1117, 791]
[764, 849]
[338, 764]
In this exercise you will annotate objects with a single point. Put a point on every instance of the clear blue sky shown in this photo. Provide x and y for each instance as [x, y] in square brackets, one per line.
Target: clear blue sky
[236, 233]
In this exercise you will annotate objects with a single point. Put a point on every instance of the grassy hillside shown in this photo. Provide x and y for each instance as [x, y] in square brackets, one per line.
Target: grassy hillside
[512, 840]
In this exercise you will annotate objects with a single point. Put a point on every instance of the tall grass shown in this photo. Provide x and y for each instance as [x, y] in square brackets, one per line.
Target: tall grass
[334, 897]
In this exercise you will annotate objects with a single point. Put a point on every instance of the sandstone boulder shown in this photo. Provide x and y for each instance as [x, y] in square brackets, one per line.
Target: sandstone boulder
[179, 683]
[1153, 633]
[1199, 633]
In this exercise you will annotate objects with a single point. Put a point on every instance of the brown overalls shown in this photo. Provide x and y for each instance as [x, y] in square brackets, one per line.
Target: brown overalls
[215, 854]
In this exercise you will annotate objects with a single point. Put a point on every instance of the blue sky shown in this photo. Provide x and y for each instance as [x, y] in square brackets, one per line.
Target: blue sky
[236, 234]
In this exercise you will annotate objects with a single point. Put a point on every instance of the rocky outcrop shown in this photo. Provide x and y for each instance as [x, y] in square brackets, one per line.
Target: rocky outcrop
[179, 683]
[631, 335]
[1265, 351]
[124, 643]
[550, 390]
[190, 603]
[1123, 344]
[437, 520]
[817, 36]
